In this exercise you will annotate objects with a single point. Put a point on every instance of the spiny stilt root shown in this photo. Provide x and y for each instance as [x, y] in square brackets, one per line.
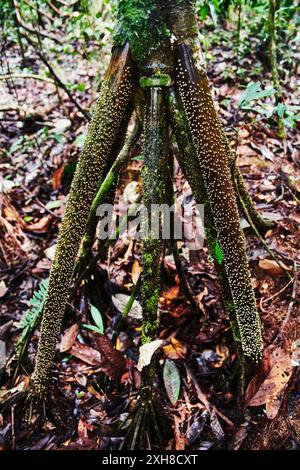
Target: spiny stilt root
[102, 135]
[213, 159]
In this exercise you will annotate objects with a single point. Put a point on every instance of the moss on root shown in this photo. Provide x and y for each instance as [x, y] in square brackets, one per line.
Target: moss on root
[141, 23]
[213, 158]
[102, 132]
[155, 157]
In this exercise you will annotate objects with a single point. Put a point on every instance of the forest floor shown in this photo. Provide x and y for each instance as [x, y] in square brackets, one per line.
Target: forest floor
[40, 141]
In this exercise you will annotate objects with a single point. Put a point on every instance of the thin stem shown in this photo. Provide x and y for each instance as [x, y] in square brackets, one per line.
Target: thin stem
[273, 5]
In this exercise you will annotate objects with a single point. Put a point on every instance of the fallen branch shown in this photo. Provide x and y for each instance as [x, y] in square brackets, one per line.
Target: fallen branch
[27, 76]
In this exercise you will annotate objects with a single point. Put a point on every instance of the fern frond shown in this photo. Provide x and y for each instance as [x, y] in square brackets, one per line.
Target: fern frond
[30, 319]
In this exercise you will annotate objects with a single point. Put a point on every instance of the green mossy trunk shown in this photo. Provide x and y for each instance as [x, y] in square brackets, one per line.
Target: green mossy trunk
[155, 157]
[154, 166]
[102, 132]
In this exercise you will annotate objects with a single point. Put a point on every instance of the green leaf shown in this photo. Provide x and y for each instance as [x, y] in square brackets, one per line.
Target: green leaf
[281, 109]
[93, 328]
[79, 141]
[29, 321]
[138, 158]
[172, 380]
[53, 204]
[218, 253]
[254, 92]
[70, 169]
[97, 317]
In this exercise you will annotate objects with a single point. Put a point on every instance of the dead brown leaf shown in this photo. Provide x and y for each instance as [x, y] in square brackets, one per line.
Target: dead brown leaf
[69, 338]
[175, 350]
[41, 226]
[112, 361]
[271, 267]
[245, 151]
[172, 293]
[270, 391]
[135, 271]
[3, 289]
[86, 354]
[146, 352]
[57, 177]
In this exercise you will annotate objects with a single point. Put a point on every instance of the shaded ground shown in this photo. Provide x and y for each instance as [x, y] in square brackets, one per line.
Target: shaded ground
[38, 153]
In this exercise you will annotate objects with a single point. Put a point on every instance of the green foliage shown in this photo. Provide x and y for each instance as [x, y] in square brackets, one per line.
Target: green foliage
[86, 25]
[29, 321]
[159, 79]
[254, 92]
[208, 9]
[218, 253]
[288, 114]
[172, 380]
[97, 317]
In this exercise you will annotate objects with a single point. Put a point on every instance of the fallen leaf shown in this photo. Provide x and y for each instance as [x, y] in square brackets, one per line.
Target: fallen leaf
[295, 353]
[271, 389]
[146, 353]
[172, 380]
[180, 440]
[50, 252]
[112, 361]
[205, 445]
[199, 299]
[82, 428]
[263, 149]
[135, 271]
[81, 379]
[3, 289]
[69, 338]
[21, 387]
[41, 226]
[271, 267]
[223, 353]
[57, 177]
[175, 350]
[120, 301]
[172, 293]
[239, 437]
[243, 133]
[245, 150]
[5, 329]
[216, 426]
[61, 125]
[86, 354]
[197, 426]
